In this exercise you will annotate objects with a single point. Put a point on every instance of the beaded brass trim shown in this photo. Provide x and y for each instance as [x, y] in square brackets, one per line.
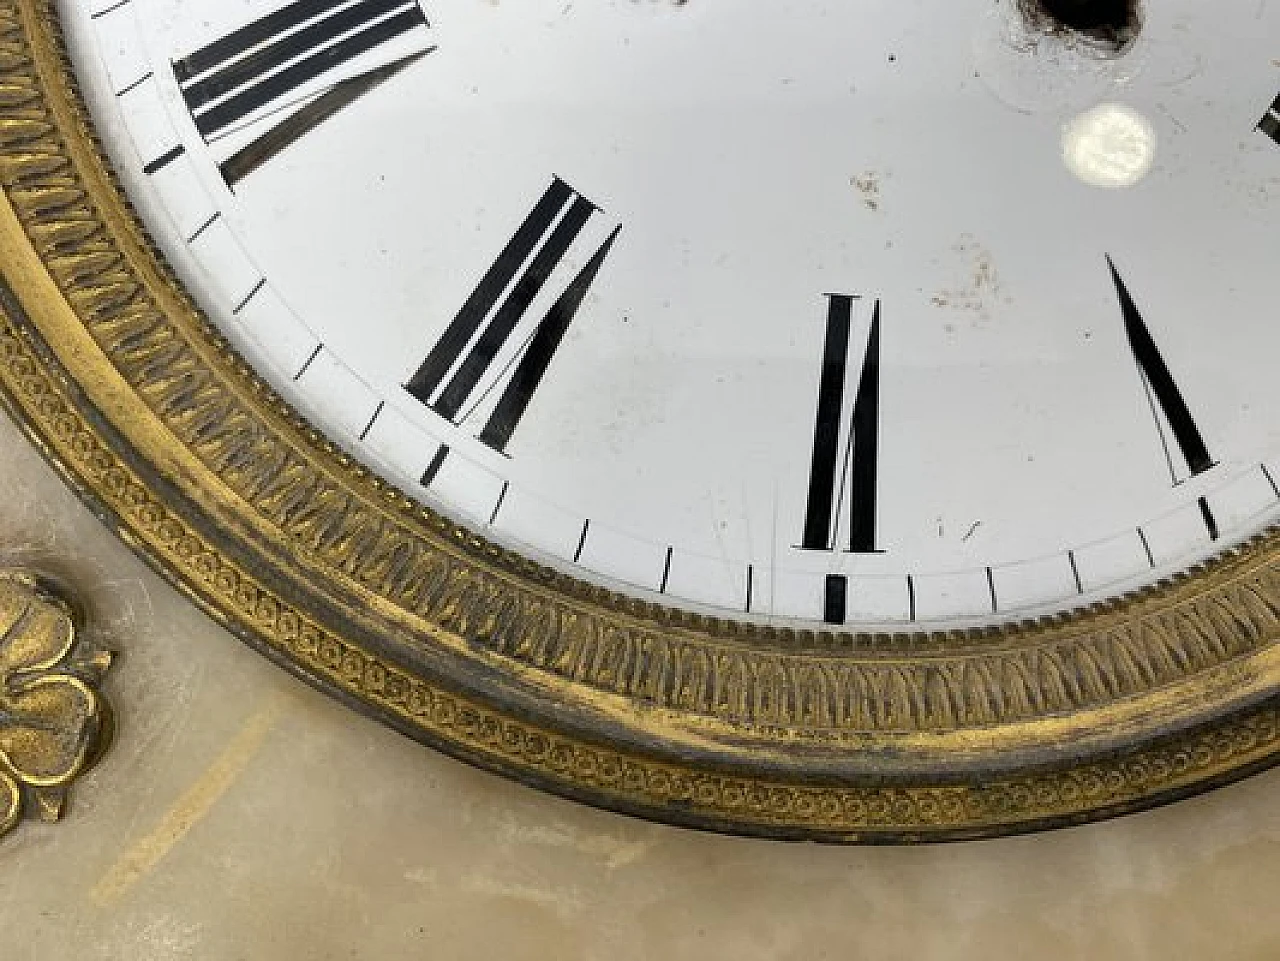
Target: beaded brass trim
[122, 383]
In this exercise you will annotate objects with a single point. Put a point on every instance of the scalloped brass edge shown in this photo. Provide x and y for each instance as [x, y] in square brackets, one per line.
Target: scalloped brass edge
[698, 721]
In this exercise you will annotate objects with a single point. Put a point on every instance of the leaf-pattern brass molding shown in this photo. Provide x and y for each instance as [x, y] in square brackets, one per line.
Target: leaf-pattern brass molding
[119, 380]
[54, 722]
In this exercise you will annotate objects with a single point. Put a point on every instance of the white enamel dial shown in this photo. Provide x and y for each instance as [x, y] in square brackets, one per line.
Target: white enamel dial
[865, 313]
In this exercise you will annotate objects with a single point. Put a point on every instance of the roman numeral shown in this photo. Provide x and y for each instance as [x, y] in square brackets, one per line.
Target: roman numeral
[1270, 122]
[1162, 391]
[269, 65]
[844, 463]
[449, 380]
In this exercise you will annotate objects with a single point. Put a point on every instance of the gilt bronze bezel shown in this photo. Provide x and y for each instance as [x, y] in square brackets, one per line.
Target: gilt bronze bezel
[165, 431]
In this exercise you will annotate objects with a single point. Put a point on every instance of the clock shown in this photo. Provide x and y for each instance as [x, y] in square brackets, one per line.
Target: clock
[840, 421]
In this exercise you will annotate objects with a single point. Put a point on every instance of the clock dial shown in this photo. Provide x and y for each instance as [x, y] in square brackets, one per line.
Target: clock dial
[843, 313]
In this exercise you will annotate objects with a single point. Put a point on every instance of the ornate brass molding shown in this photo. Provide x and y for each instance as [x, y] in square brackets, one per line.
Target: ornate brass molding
[54, 723]
[123, 385]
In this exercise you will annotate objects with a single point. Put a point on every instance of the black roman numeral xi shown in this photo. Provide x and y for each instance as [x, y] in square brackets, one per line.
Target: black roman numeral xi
[262, 68]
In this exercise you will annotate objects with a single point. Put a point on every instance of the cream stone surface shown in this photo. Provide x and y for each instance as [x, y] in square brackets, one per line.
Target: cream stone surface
[240, 815]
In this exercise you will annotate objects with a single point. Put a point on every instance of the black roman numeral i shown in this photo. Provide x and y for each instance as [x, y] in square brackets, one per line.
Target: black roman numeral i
[258, 70]
[844, 464]
[449, 380]
[1270, 122]
[1162, 391]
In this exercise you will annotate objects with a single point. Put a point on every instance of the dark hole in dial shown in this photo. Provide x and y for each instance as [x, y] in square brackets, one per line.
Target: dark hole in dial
[1114, 23]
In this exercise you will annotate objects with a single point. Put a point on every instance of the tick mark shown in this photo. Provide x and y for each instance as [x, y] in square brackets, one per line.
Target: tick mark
[307, 366]
[836, 599]
[135, 85]
[1210, 521]
[164, 160]
[1266, 472]
[203, 227]
[429, 475]
[382, 405]
[1146, 546]
[111, 9]
[502, 498]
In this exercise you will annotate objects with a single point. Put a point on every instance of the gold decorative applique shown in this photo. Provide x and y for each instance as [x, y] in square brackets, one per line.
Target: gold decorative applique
[53, 721]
